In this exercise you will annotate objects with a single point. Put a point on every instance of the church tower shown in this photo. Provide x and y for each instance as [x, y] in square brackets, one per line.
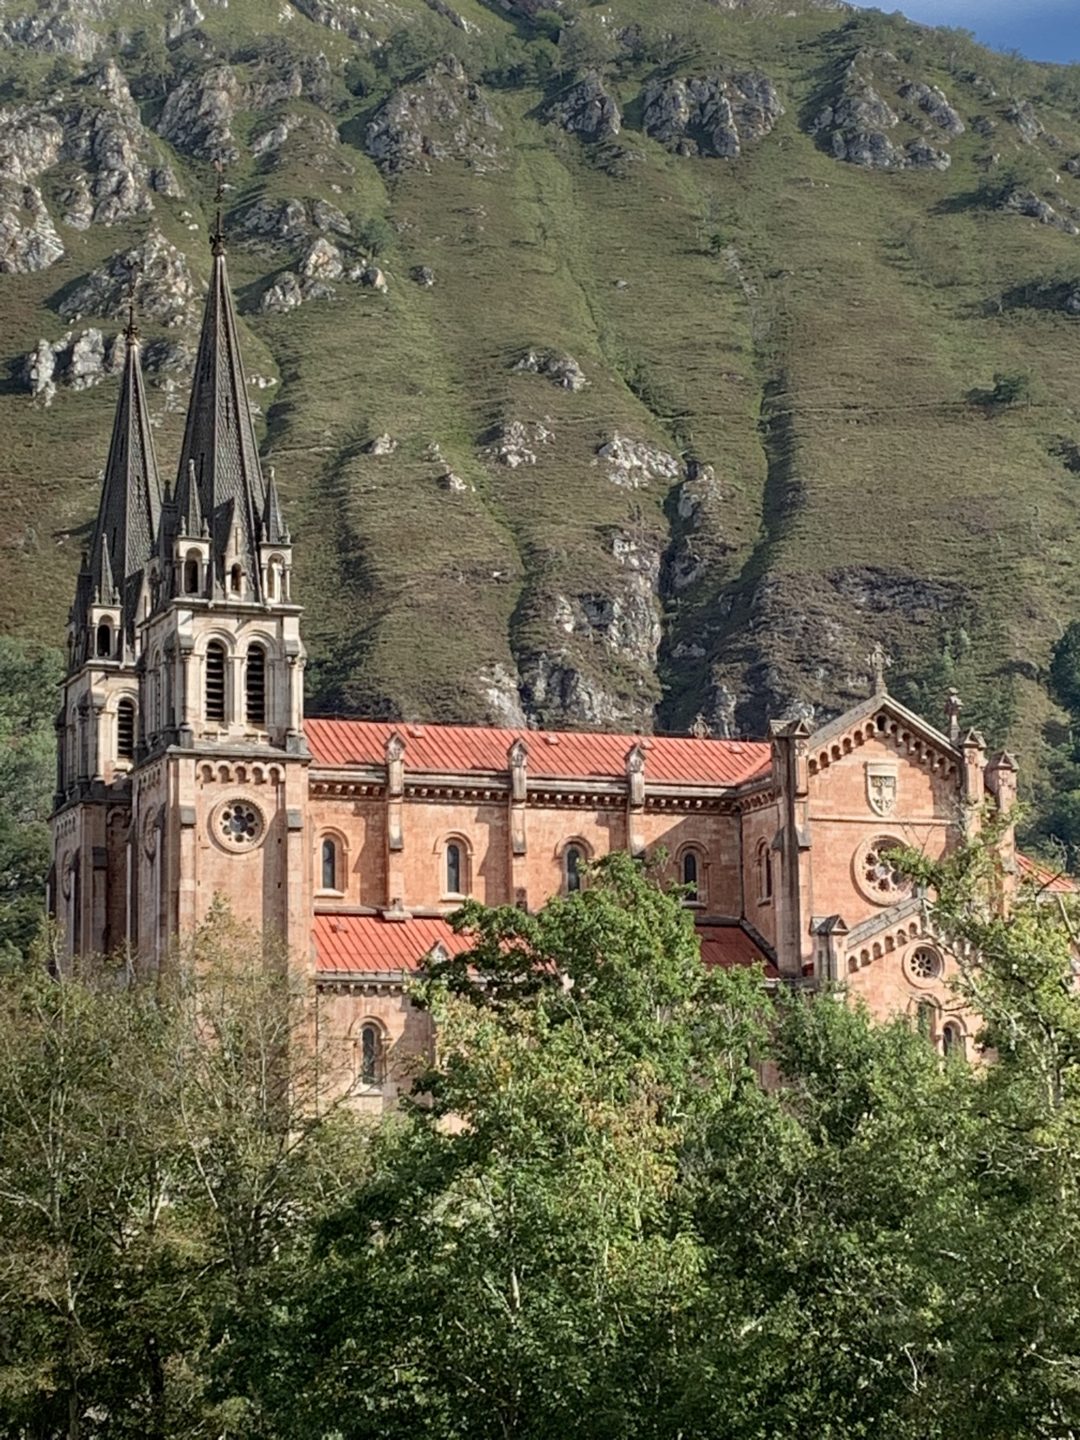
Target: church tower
[97, 728]
[216, 786]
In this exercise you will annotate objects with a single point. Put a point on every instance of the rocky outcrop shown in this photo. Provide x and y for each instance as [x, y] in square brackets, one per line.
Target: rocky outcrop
[635, 464]
[340, 15]
[268, 144]
[58, 27]
[1026, 202]
[199, 112]
[715, 114]
[442, 116]
[517, 441]
[561, 369]
[933, 103]
[154, 273]
[273, 224]
[856, 125]
[1028, 124]
[587, 109]
[75, 361]
[28, 238]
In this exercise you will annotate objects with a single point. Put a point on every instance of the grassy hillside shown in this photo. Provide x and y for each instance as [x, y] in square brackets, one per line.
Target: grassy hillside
[806, 348]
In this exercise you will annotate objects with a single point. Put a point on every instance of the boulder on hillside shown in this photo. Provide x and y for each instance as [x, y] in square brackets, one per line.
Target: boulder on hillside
[28, 238]
[587, 109]
[199, 112]
[934, 103]
[713, 114]
[1029, 125]
[441, 116]
[561, 369]
[634, 464]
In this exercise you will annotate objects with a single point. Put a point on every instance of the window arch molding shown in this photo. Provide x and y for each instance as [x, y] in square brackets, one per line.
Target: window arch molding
[331, 863]
[455, 859]
[953, 1039]
[692, 862]
[764, 875]
[370, 1046]
[574, 856]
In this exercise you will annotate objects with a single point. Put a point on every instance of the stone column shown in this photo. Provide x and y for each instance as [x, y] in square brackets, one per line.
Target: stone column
[395, 833]
[635, 800]
[518, 758]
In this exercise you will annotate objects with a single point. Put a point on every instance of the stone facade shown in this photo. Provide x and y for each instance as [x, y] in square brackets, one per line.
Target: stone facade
[187, 770]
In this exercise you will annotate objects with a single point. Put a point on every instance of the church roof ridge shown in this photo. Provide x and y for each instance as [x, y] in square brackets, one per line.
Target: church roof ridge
[882, 700]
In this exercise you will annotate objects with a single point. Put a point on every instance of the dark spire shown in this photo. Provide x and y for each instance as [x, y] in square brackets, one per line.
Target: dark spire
[219, 437]
[192, 521]
[274, 529]
[130, 509]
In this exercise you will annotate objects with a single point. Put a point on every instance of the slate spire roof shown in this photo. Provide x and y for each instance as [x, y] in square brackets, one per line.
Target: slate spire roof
[219, 455]
[130, 509]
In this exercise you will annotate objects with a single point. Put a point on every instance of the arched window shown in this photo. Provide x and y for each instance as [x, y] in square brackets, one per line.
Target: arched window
[125, 730]
[764, 872]
[455, 869]
[104, 640]
[255, 686]
[573, 864]
[691, 876]
[370, 1056]
[215, 681]
[952, 1040]
[329, 865]
[191, 575]
[924, 1019]
[236, 579]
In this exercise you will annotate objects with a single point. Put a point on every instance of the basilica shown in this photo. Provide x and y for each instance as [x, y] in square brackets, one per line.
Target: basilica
[188, 770]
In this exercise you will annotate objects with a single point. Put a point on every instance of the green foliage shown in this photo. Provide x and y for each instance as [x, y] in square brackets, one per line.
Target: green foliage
[375, 236]
[29, 676]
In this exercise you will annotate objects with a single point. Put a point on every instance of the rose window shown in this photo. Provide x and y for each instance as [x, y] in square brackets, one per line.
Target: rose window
[880, 875]
[925, 964]
[239, 824]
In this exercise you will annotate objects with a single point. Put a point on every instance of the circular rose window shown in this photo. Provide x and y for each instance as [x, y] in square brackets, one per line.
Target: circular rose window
[878, 877]
[924, 964]
[237, 824]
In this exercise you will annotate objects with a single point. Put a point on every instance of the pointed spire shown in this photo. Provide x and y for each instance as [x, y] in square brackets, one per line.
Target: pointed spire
[130, 510]
[274, 529]
[219, 437]
[192, 520]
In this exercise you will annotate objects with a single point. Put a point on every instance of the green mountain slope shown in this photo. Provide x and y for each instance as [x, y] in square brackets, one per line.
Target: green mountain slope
[746, 347]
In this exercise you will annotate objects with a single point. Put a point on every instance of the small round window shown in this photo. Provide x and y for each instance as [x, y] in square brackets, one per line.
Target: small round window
[238, 825]
[925, 964]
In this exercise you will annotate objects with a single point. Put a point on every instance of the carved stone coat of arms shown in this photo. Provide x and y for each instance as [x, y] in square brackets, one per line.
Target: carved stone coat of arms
[881, 785]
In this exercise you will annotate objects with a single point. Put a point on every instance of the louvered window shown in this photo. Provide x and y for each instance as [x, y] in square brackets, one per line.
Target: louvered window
[191, 576]
[215, 681]
[125, 729]
[256, 685]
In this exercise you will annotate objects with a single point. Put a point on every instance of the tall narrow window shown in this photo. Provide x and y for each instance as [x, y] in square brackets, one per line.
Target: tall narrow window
[104, 641]
[255, 695]
[952, 1040]
[125, 729]
[574, 860]
[454, 868]
[236, 579]
[690, 874]
[924, 1020]
[765, 877]
[330, 865]
[370, 1055]
[215, 681]
[191, 575]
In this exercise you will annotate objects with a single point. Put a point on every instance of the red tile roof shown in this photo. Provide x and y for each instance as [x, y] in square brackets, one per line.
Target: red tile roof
[1052, 882]
[564, 755]
[370, 945]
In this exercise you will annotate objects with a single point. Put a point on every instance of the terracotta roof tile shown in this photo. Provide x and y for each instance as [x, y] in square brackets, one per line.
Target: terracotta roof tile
[370, 945]
[563, 755]
[1053, 882]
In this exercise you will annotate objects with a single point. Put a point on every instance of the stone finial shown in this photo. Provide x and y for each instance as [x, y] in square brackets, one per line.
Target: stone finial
[953, 710]
[879, 661]
[518, 756]
[635, 774]
[700, 729]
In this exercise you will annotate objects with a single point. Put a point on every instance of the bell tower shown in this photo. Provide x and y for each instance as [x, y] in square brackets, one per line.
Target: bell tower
[98, 723]
[220, 794]
[183, 708]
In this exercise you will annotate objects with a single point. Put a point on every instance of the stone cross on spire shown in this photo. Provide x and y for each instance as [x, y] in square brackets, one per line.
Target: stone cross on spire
[879, 661]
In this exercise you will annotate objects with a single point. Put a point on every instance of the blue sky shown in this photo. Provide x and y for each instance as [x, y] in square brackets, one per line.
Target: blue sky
[1040, 29]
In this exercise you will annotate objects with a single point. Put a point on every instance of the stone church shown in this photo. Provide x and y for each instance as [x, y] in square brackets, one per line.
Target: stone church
[187, 769]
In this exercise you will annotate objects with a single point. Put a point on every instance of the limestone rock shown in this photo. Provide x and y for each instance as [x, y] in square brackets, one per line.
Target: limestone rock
[75, 361]
[452, 482]
[587, 109]
[283, 293]
[384, 444]
[714, 114]
[562, 370]
[933, 102]
[275, 220]
[198, 114]
[28, 238]
[164, 289]
[423, 275]
[499, 688]
[321, 261]
[1026, 121]
[374, 279]
[59, 27]
[30, 142]
[516, 443]
[634, 464]
[441, 116]
[340, 15]
[1026, 202]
